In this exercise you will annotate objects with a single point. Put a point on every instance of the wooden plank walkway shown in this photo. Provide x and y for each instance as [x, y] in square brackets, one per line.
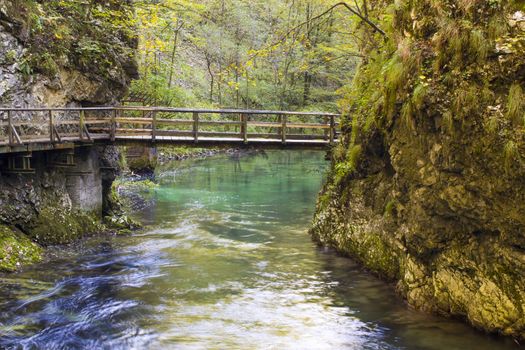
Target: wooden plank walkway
[26, 129]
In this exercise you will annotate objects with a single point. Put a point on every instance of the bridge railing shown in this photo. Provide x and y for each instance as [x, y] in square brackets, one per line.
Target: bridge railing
[54, 125]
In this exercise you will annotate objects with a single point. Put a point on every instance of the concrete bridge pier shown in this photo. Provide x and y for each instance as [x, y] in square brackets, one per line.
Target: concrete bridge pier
[84, 181]
[62, 181]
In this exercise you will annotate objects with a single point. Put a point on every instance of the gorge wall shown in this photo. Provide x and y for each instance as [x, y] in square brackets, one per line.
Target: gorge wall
[57, 54]
[426, 187]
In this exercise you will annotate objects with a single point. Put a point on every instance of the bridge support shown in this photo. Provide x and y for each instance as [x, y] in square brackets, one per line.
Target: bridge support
[19, 163]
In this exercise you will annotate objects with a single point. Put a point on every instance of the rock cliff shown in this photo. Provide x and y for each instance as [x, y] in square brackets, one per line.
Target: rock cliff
[426, 187]
[56, 54]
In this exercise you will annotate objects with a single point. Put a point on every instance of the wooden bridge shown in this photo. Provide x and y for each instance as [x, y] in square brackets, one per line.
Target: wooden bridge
[39, 129]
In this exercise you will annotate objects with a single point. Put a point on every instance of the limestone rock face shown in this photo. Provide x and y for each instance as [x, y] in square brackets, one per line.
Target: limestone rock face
[436, 200]
[39, 68]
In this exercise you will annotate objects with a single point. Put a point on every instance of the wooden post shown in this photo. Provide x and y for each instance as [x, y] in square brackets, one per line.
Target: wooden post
[244, 119]
[10, 128]
[326, 121]
[154, 127]
[26, 162]
[113, 126]
[332, 129]
[196, 127]
[81, 126]
[51, 127]
[283, 129]
[279, 121]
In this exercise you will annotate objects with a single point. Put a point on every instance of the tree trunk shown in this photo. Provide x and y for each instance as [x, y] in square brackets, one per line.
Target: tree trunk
[173, 54]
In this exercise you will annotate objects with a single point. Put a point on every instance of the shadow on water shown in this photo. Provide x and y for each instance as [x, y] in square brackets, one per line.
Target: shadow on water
[377, 303]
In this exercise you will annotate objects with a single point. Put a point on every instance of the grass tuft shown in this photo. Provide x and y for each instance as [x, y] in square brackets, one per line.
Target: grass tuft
[448, 122]
[511, 155]
[418, 98]
[407, 113]
[516, 105]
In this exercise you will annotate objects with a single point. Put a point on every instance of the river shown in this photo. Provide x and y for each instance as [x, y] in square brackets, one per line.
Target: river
[224, 263]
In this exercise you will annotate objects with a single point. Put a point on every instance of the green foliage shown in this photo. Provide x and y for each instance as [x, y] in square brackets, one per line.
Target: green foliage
[390, 208]
[466, 101]
[419, 95]
[407, 113]
[516, 105]
[258, 54]
[478, 46]
[395, 74]
[349, 165]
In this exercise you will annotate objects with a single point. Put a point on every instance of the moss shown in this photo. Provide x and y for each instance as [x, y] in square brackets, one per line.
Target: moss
[395, 73]
[419, 95]
[344, 169]
[390, 208]
[59, 226]
[116, 219]
[123, 224]
[142, 164]
[16, 250]
[379, 257]
[10, 57]
[137, 186]
[407, 114]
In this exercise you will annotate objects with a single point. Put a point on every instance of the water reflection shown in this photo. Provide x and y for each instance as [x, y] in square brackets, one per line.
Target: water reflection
[226, 264]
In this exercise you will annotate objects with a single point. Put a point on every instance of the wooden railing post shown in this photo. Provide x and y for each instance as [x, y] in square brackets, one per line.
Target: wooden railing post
[195, 127]
[113, 126]
[283, 129]
[154, 127]
[244, 127]
[332, 129]
[51, 127]
[10, 128]
[81, 126]
[326, 122]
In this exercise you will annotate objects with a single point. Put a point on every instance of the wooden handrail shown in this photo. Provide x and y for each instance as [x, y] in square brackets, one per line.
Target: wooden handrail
[168, 110]
[153, 124]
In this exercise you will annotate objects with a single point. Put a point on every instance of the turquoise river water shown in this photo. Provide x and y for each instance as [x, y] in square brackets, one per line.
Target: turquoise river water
[224, 263]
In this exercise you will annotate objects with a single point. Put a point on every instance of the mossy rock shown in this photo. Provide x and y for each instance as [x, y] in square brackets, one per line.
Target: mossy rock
[122, 223]
[58, 226]
[16, 250]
